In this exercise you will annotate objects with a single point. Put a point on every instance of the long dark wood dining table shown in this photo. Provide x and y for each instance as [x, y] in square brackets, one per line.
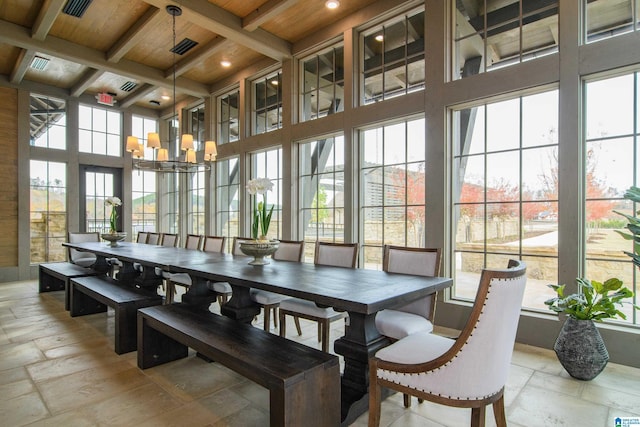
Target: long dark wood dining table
[360, 292]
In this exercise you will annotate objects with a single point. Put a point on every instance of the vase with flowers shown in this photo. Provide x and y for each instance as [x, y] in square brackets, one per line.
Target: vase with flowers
[113, 236]
[260, 246]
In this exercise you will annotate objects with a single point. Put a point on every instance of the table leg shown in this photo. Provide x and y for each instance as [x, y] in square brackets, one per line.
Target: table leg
[360, 342]
[240, 307]
[199, 295]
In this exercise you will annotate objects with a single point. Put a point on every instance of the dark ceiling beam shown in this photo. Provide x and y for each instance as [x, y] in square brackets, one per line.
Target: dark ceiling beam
[264, 13]
[134, 34]
[228, 25]
[22, 65]
[506, 18]
[137, 95]
[19, 36]
[46, 17]
[86, 80]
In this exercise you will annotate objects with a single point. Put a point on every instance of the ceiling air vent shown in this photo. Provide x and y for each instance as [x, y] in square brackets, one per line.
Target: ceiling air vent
[39, 63]
[76, 7]
[154, 102]
[184, 46]
[128, 86]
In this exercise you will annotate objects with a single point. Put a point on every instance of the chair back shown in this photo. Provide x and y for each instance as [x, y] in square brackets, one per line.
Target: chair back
[169, 239]
[419, 262]
[193, 241]
[153, 238]
[336, 254]
[142, 237]
[235, 249]
[481, 355]
[84, 259]
[289, 250]
[214, 244]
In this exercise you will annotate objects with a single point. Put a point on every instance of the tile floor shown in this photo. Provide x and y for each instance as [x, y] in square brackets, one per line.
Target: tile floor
[61, 371]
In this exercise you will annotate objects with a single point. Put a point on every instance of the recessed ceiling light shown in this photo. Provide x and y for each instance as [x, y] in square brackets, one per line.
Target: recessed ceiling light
[165, 97]
[274, 82]
[332, 4]
[225, 63]
[379, 37]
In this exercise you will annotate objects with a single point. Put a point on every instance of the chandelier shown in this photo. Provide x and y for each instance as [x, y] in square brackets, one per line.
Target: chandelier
[161, 161]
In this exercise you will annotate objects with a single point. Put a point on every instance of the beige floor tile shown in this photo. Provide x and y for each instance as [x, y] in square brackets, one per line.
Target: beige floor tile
[63, 366]
[22, 354]
[22, 410]
[15, 389]
[12, 375]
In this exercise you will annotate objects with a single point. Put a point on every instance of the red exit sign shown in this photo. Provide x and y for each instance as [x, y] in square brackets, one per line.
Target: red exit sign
[105, 99]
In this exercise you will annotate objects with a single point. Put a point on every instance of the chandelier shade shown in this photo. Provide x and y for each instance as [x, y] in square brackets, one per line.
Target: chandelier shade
[161, 161]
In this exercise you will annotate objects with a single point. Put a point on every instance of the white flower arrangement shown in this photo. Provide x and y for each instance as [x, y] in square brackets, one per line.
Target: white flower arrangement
[261, 219]
[114, 202]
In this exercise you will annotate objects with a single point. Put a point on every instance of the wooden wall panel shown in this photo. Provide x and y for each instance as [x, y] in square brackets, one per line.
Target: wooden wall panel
[8, 177]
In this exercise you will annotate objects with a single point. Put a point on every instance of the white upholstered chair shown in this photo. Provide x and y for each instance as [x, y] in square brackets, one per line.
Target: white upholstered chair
[182, 279]
[288, 250]
[153, 238]
[416, 316]
[332, 254]
[83, 259]
[467, 372]
[142, 237]
[169, 239]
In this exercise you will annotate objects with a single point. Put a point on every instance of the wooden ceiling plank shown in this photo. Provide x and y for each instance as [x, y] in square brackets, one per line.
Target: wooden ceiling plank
[22, 65]
[203, 53]
[266, 12]
[87, 79]
[134, 34]
[137, 95]
[17, 35]
[228, 25]
[46, 17]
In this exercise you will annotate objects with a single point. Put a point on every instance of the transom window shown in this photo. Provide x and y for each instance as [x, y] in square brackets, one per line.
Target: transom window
[490, 36]
[228, 117]
[322, 82]
[609, 18]
[100, 131]
[392, 58]
[48, 122]
[267, 103]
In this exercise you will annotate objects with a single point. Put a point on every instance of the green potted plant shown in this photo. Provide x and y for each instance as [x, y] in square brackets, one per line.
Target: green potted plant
[633, 194]
[579, 346]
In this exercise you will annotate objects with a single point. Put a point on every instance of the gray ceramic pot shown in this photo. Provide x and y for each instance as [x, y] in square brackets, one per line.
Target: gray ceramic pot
[580, 349]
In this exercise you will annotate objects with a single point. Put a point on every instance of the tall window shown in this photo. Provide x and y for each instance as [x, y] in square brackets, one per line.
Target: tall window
[321, 191]
[393, 58]
[267, 103]
[100, 131]
[488, 37]
[228, 198]
[228, 117]
[98, 186]
[196, 216]
[612, 145]
[171, 182]
[48, 211]
[322, 78]
[609, 18]
[505, 192]
[143, 199]
[392, 180]
[48, 122]
[268, 164]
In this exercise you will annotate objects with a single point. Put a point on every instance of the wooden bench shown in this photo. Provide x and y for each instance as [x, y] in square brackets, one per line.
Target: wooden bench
[303, 383]
[94, 294]
[55, 276]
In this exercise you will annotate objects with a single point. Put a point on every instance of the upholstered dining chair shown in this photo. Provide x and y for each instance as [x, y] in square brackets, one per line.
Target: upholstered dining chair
[83, 259]
[288, 250]
[332, 254]
[153, 238]
[169, 239]
[224, 288]
[183, 279]
[467, 372]
[142, 237]
[418, 315]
